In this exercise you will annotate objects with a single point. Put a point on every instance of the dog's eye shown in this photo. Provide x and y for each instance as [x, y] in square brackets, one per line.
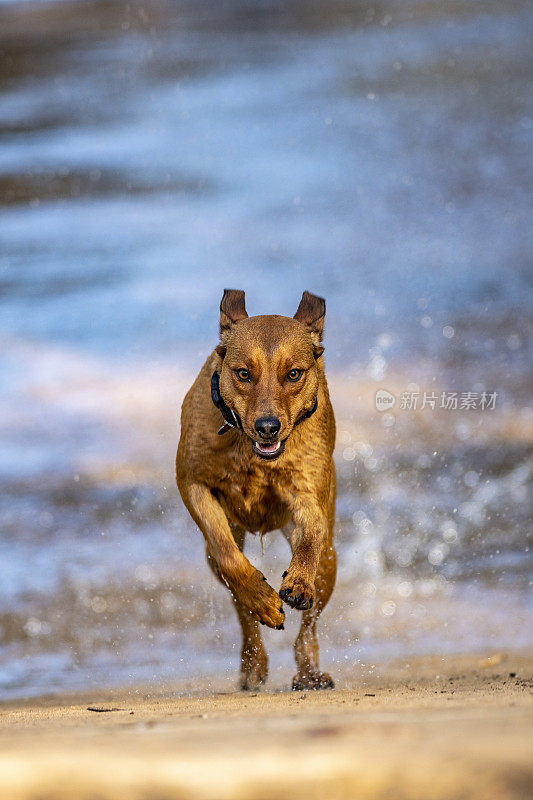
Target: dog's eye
[295, 374]
[243, 374]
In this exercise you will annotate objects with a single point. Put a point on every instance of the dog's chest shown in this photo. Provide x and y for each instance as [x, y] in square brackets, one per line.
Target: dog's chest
[254, 498]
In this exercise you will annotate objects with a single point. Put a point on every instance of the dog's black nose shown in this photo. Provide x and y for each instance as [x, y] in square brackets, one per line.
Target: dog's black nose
[267, 427]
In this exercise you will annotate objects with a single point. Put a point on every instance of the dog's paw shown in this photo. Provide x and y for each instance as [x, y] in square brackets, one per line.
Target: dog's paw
[262, 600]
[297, 592]
[312, 680]
[254, 664]
[253, 676]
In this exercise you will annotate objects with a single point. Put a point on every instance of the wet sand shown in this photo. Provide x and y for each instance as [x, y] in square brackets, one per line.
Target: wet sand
[434, 728]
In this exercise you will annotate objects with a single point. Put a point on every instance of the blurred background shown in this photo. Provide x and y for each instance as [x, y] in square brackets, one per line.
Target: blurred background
[152, 154]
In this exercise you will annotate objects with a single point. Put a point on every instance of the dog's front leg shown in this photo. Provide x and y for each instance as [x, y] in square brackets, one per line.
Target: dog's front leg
[310, 533]
[246, 583]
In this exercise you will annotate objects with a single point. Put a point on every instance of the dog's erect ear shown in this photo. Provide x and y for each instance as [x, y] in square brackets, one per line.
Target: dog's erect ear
[311, 313]
[232, 309]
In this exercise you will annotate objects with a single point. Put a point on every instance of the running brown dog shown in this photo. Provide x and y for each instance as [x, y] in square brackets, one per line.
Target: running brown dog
[255, 454]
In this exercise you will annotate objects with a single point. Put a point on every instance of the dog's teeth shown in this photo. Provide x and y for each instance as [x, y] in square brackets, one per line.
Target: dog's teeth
[272, 447]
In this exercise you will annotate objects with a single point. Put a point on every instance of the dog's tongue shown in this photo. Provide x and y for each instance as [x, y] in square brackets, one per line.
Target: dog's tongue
[268, 447]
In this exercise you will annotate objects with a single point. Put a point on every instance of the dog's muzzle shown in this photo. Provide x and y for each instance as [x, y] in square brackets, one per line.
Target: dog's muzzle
[267, 445]
[268, 449]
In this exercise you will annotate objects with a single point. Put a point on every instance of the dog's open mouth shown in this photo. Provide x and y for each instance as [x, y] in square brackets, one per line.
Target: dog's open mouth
[268, 449]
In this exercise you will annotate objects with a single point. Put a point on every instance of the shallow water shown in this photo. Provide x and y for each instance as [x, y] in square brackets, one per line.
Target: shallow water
[375, 154]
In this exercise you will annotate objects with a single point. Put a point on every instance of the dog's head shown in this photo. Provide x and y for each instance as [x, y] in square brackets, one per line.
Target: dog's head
[269, 374]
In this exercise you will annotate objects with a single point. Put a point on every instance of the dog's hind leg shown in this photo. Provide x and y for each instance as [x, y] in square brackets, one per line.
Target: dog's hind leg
[309, 675]
[254, 660]
[306, 644]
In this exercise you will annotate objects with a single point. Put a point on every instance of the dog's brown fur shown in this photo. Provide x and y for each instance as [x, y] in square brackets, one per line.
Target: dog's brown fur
[228, 489]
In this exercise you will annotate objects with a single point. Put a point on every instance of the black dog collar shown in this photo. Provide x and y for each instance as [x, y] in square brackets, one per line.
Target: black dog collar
[231, 419]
